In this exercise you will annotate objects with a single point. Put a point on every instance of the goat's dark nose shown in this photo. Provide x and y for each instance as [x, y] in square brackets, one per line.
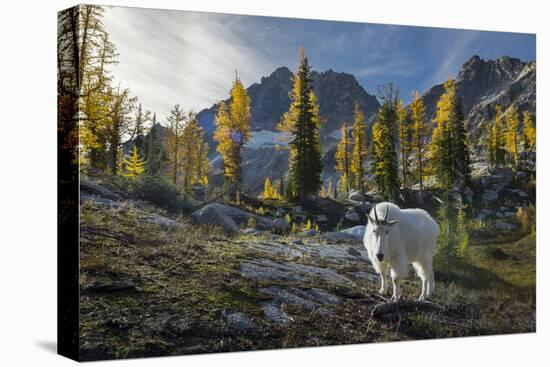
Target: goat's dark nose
[380, 257]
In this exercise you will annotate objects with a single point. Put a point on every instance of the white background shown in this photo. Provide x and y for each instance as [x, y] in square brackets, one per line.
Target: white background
[28, 182]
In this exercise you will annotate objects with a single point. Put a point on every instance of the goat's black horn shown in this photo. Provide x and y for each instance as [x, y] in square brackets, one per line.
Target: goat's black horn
[375, 215]
[387, 212]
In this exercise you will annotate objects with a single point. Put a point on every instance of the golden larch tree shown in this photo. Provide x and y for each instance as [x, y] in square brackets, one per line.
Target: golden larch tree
[174, 140]
[495, 140]
[441, 144]
[512, 135]
[529, 132]
[194, 163]
[134, 164]
[233, 131]
[343, 159]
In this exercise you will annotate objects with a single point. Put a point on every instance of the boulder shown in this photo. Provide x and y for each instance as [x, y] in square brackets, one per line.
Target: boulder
[521, 175]
[349, 234]
[239, 216]
[309, 233]
[100, 191]
[99, 201]
[483, 214]
[210, 215]
[356, 196]
[297, 210]
[199, 190]
[238, 322]
[489, 195]
[504, 225]
[162, 221]
[251, 231]
[274, 312]
[280, 224]
[357, 231]
[280, 212]
[352, 216]
[321, 218]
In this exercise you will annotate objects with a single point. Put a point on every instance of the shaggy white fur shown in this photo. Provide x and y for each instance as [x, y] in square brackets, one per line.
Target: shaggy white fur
[395, 238]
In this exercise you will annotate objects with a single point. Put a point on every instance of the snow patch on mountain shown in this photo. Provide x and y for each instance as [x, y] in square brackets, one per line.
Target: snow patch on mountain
[266, 139]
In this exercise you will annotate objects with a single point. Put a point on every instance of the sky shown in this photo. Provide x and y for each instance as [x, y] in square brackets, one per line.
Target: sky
[169, 57]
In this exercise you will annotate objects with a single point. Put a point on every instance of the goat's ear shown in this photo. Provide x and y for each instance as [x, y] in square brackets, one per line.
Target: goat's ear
[392, 222]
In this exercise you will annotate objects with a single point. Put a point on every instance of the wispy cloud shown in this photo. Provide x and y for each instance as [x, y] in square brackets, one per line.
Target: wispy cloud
[454, 47]
[169, 57]
[189, 58]
[401, 66]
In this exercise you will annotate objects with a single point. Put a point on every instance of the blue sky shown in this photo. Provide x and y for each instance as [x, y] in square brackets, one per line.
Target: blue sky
[169, 57]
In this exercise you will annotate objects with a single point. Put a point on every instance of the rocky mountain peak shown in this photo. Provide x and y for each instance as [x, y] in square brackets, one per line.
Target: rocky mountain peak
[482, 84]
[336, 93]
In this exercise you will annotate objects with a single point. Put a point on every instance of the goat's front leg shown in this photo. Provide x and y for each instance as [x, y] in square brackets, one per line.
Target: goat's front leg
[397, 273]
[396, 288]
[383, 282]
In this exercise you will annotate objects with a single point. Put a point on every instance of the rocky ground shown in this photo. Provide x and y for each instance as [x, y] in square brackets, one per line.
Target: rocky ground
[152, 285]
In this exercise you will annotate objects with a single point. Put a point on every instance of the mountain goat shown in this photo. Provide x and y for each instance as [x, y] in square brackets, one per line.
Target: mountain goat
[395, 238]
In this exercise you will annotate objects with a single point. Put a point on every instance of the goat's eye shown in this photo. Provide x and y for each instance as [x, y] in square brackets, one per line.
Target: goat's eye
[374, 231]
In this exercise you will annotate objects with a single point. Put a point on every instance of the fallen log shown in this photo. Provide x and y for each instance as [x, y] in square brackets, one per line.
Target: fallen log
[404, 306]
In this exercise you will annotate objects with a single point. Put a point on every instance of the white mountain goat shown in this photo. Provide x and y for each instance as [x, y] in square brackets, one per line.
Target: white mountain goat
[400, 238]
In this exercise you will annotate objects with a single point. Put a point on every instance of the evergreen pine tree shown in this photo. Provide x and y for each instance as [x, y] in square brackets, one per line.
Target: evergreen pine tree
[419, 136]
[359, 150]
[302, 122]
[404, 123]
[140, 120]
[459, 144]
[383, 139]
[154, 150]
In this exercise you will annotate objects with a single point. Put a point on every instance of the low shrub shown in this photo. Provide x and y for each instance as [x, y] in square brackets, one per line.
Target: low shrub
[155, 190]
[526, 218]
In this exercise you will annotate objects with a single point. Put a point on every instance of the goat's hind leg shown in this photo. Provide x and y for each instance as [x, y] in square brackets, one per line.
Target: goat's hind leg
[431, 284]
[425, 288]
[425, 272]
